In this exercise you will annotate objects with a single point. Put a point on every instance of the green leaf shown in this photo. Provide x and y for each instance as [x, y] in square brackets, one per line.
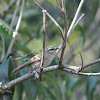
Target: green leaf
[30, 89]
[5, 24]
[8, 1]
[4, 77]
[55, 84]
[91, 85]
[18, 93]
[45, 93]
[5, 39]
[70, 84]
[10, 69]
[33, 87]
[4, 72]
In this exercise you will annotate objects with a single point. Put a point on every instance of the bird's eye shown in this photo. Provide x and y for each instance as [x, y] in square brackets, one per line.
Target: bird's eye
[51, 49]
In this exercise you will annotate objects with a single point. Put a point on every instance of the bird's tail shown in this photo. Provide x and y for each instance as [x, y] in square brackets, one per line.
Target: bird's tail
[16, 70]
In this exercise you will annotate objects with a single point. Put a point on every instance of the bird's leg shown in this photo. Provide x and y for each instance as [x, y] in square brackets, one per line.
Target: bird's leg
[35, 73]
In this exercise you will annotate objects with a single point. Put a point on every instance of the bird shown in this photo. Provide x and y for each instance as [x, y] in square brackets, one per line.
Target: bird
[34, 63]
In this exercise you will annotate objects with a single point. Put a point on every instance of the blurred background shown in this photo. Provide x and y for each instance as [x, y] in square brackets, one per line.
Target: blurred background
[56, 85]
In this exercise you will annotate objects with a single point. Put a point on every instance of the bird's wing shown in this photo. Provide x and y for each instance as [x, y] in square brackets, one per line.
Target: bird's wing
[31, 61]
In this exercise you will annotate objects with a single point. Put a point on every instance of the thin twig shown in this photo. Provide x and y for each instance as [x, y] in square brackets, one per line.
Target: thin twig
[43, 52]
[77, 68]
[59, 27]
[71, 27]
[75, 25]
[75, 17]
[76, 44]
[59, 7]
[65, 32]
[63, 5]
[14, 15]
[80, 73]
[82, 61]
[15, 33]
[8, 8]
[23, 56]
[91, 63]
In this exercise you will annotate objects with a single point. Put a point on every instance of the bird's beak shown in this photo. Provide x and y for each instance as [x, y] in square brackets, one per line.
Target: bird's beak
[56, 48]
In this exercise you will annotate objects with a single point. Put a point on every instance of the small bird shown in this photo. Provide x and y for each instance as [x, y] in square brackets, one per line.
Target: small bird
[34, 62]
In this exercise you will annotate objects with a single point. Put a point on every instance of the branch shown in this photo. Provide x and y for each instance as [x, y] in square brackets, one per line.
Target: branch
[24, 56]
[82, 62]
[14, 15]
[59, 27]
[74, 26]
[75, 17]
[59, 7]
[79, 68]
[15, 33]
[80, 73]
[6, 87]
[91, 63]
[43, 52]
[65, 32]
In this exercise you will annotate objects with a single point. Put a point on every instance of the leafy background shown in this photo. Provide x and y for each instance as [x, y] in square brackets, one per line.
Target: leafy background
[57, 85]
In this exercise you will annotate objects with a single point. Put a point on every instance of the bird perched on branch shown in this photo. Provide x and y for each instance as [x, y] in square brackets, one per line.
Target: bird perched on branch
[34, 62]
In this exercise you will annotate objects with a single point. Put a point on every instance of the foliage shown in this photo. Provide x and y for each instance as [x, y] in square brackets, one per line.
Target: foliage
[56, 85]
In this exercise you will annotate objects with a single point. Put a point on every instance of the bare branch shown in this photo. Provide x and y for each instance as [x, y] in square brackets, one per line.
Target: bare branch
[15, 33]
[71, 67]
[20, 17]
[65, 32]
[80, 73]
[72, 25]
[75, 25]
[75, 17]
[91, 63]
[14, 15]
[43, 52]
[82, 61]
[63, 5]
[6, 87]
[59, 7]
[23, 56]
[77, 68]
[59, 27]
